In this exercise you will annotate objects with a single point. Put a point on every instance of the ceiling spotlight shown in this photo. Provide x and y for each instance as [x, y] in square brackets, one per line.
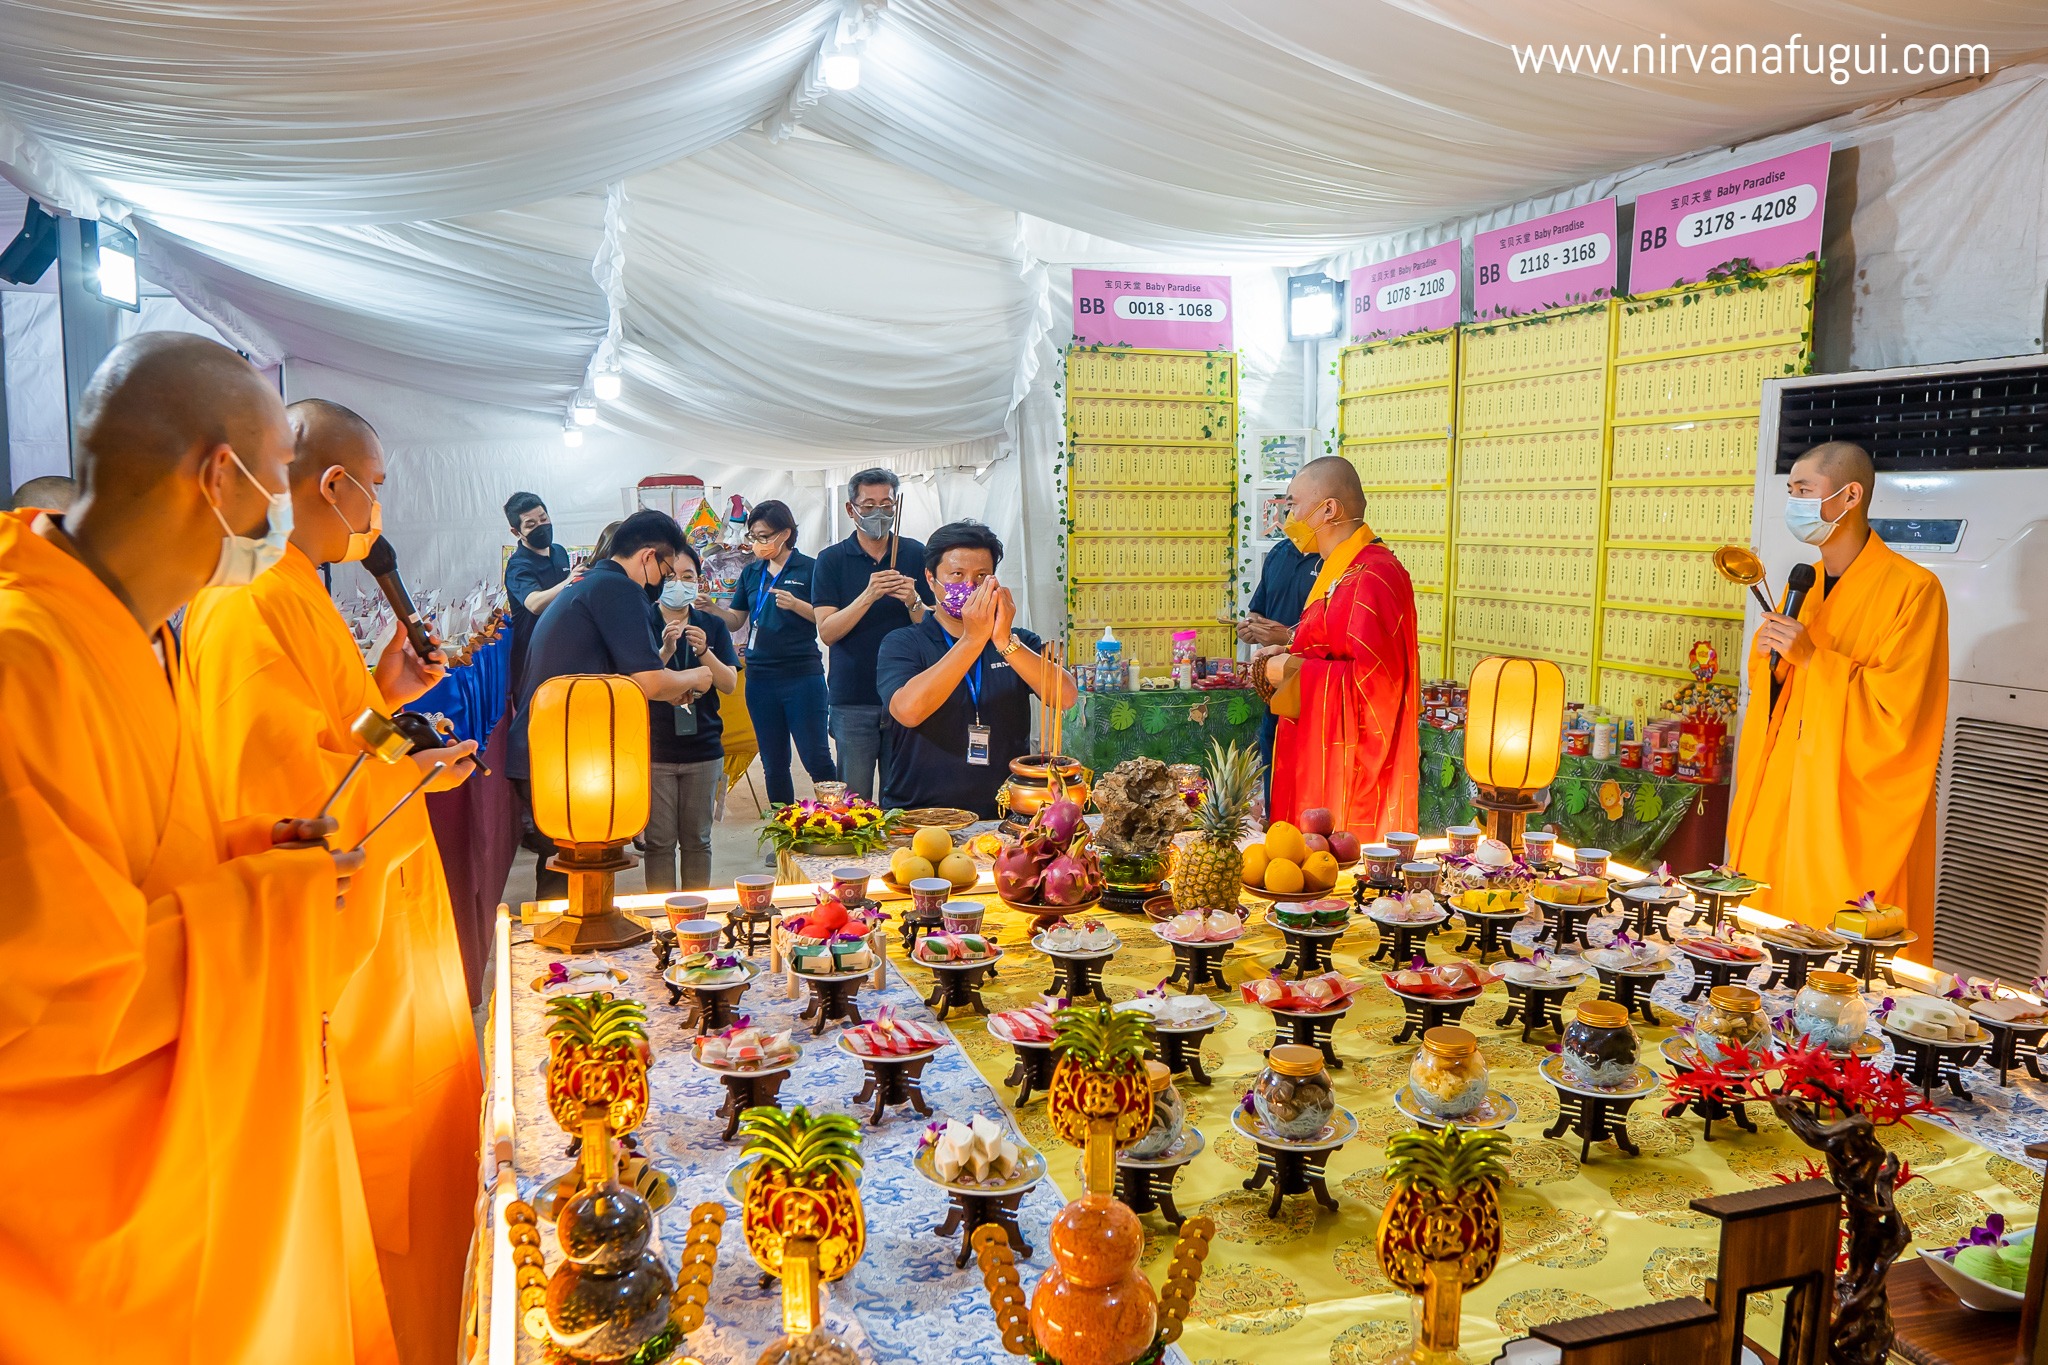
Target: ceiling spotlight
[1315, 307]
[572, 437]
[841, 70]
[605, 384]
[585, 413]
[110, 252]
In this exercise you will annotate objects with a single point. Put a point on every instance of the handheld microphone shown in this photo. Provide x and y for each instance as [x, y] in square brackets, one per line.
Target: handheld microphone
[1798, 583]
[382, 564]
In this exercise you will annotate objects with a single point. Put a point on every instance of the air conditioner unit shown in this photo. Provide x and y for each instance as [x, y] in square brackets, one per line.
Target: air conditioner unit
[1962, 487]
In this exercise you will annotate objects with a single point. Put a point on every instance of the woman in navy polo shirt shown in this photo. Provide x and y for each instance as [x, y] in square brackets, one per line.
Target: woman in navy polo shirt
[958, 686]
[785, 675]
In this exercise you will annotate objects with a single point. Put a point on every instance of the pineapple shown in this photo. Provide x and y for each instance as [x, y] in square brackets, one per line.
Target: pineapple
[1209, 871]
[1101, 1073]
[597, 1054]
[1445, 1206]
[803, 1186]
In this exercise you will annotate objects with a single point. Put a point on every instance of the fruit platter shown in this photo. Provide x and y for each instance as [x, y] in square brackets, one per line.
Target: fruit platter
[1052, 870]
[1199, 926]
[1454, 980]
[1316, 995]
[1987, 1269]
[1297, 862]
[933, 852]
[955, 950]
[742, 1048]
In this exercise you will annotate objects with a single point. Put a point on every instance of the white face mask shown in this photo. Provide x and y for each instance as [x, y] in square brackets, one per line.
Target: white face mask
[676, 595]
[1806, 520]
[243, 557]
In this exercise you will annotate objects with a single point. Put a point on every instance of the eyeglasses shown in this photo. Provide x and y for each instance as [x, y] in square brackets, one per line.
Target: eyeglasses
[874, 506]
[761, 537]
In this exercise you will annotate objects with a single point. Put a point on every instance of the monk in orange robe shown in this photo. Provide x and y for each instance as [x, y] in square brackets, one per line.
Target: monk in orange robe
[1834, 780]
[182, 1183]
[1353, 749]
[279, 679]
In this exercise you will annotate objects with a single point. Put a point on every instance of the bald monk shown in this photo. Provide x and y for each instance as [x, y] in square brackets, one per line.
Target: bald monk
[1353, 747]
[279, 680]
[50, 492]
[182, 1186]
[1834, 782]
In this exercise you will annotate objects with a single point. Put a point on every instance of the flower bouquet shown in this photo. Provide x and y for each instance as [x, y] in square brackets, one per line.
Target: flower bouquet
[853, 826]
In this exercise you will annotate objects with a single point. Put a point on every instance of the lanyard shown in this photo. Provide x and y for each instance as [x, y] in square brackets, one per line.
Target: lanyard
[767, 594]
[974, 689]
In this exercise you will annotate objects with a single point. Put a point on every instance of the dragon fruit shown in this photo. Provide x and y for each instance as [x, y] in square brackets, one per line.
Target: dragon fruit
[1021, 870]
[1060, 822]
[1072, 879]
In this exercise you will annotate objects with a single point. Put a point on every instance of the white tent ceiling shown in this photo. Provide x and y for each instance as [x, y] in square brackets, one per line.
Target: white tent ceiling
[419, 191]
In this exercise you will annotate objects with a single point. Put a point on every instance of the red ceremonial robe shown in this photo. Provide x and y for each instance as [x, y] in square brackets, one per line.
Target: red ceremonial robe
[1354, 748]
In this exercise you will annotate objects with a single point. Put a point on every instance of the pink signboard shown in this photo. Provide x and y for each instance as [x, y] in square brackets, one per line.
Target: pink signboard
[1767, 214]
[1171, 312]
[1414, 293]
[1568, 257]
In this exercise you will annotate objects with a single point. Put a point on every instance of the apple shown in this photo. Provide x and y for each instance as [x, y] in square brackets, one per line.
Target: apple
[1318, 820]
[1344, 846]
[1316, 843]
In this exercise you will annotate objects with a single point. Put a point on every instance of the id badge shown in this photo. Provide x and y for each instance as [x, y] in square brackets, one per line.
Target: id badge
[686, 719]
[977, 745]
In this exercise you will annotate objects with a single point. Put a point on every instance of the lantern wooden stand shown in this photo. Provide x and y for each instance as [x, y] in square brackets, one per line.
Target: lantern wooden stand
[588, 739]
[1676, 1332]
[1776, 1237]
[1514, 735]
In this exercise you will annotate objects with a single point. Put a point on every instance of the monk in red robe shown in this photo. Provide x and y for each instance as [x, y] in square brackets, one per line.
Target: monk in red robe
[279, 680]
[182, 1182]
[1352, 748]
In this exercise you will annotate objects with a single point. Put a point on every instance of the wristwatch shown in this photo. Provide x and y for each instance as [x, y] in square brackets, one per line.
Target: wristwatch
[1011, 648]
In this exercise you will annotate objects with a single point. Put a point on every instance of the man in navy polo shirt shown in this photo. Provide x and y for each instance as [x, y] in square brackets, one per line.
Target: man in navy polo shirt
[600, 624]
[535, 574]
[864, 588]
[1284, 583]
[958, 686]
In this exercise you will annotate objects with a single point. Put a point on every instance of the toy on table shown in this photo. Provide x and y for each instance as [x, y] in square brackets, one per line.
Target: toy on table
[1704, 708]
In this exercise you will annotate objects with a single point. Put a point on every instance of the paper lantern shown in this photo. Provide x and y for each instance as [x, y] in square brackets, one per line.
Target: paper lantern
[587, 735]
[1514, 734]
[1514, 723]
[587, 741]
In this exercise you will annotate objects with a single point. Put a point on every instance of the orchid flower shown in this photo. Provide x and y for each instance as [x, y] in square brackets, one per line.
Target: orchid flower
[1989, 1233]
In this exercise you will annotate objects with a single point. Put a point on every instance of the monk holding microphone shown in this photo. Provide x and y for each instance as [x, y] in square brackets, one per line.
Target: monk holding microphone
[280, 681]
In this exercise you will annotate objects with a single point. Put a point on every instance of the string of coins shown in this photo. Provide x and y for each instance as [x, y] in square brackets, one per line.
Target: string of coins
[1005, 1294]
[700, 1258]
[1178, 1295]
[522, 1230]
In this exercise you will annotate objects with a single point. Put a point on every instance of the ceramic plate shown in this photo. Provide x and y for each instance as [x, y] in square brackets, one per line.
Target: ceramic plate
[949, 818]
[1495, 1111]
[1342, 1127]
[1898, 940]
[768, 1070]
[1979, 1039]
[1059, 911]
[1215, 1013]
[752, 970]
[579, 982]
[1002, 1035]
[1761, 956]
[932, 1051]
[993, 957]
[1030, 1170]
[1985, 1298]
[1641, 1081]
[1564, 971]
[1038, 942]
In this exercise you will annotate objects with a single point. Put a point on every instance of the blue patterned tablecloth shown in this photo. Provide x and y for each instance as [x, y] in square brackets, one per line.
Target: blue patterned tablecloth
[474, 695]
[905, 1301]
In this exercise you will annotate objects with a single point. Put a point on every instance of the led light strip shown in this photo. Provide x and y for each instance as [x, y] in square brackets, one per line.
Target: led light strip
[504, 1285]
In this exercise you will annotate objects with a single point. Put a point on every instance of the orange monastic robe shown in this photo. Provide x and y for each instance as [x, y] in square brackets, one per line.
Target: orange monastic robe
[181, 1184]
[279, 680]
[1354, 749]
[1834, 791]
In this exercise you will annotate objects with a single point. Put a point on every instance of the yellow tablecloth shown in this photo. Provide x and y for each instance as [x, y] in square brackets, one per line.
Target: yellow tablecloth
[1581, 1238]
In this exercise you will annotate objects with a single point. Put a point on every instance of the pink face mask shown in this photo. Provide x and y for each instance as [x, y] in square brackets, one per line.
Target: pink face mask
[953, 598]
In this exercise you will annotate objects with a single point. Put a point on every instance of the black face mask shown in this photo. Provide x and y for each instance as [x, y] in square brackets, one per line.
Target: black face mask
[653, 591]
[541, 537]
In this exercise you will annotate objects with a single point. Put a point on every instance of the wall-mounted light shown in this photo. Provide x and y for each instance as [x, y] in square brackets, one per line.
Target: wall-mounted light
[110, 255]
[1315, 307]
[572, 437]
[606, 385]
[584, 412]
[840, 70]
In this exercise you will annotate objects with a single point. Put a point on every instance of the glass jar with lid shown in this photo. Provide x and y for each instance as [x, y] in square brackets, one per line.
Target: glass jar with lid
[1169, 1114]
[1733, 1019]
[1448, 1075]
[1293, 1095]
[1830, 1011]
[1600, 1047]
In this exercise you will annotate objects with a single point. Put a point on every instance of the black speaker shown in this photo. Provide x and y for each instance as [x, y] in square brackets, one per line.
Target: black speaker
[33, 248]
